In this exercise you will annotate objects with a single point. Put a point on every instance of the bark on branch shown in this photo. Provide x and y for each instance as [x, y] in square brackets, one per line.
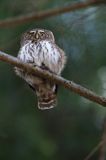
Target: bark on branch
[48, 13]
[84, 92]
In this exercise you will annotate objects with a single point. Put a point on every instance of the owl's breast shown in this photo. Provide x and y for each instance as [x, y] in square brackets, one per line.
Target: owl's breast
[50, 56]
[43, 52]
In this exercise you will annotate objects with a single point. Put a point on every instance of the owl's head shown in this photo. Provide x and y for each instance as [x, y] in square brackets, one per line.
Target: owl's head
[36, 35]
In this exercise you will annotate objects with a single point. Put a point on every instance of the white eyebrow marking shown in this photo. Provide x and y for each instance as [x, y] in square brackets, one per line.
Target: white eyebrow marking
[40, 31]
[32, 31]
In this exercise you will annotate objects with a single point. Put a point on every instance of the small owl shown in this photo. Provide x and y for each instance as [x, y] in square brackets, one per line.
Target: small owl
[38, 48]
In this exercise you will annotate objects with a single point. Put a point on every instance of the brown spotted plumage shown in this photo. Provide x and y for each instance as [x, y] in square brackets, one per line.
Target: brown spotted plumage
[38, 48]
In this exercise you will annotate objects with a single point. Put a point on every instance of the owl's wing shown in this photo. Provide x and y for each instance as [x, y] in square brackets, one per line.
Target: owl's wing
[62, 60]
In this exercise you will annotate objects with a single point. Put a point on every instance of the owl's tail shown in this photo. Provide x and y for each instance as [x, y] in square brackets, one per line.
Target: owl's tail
[47, 96]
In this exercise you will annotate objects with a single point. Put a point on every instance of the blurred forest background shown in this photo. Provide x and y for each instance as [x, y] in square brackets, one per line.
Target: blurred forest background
[75, 126]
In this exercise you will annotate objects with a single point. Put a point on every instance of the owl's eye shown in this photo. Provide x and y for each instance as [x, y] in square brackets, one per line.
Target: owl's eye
[32, 32]
[41, 34]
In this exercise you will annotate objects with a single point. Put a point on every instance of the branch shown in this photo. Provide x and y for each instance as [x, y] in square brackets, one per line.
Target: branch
[55, 78]
[48, 13]
[102, 154]
[95, 149]
[101, 145]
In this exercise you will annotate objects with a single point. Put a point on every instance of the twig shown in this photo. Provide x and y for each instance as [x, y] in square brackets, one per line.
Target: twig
[55, 78]
[95, 149]
[102, 154]
[101, 145]
[48, 13]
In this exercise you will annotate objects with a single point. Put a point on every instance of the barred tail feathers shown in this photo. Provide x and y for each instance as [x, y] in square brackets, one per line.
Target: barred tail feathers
[47, 96]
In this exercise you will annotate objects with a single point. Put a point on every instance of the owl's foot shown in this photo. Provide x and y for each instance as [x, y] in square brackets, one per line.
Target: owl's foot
[44, 67]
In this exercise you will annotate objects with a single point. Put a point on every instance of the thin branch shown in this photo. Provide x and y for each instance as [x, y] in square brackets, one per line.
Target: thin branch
[49, 13]
[101, 145]
[95, 149]
[102, 154]
[55, 78]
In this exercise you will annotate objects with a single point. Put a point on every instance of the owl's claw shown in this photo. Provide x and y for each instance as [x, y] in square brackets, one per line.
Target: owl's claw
[44, 67]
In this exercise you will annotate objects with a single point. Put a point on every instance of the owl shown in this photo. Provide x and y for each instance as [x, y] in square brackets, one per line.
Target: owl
[38, 48]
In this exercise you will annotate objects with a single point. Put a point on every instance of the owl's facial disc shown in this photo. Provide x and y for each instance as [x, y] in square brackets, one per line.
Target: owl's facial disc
[38, 34]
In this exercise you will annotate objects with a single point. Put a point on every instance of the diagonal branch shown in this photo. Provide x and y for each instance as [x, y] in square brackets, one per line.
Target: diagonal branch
[95, 149]
[102, 154]
[101, 145]
[55, 78]
[48, 13]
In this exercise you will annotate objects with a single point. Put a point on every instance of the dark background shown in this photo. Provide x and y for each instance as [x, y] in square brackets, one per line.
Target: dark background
[75, 126]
